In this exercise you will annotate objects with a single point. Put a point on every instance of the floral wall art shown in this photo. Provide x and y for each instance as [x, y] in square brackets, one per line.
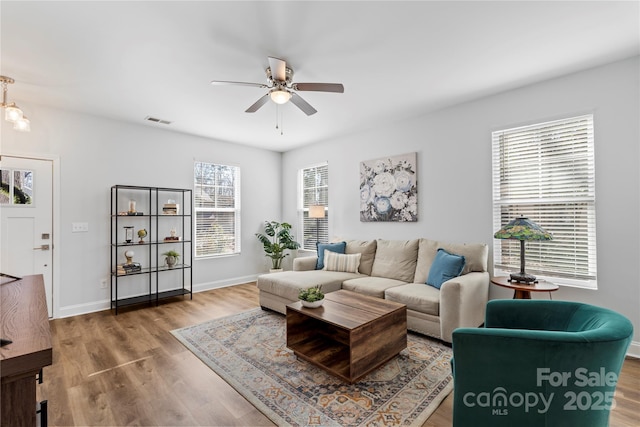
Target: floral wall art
[388, 189]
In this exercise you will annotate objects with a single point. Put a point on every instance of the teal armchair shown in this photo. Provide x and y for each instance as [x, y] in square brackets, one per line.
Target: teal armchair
[539, 363]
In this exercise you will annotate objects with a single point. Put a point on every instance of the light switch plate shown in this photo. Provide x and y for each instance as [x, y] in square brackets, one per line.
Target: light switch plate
[79, 227]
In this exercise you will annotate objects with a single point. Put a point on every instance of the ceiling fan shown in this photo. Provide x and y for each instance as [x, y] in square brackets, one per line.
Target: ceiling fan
[282, 89]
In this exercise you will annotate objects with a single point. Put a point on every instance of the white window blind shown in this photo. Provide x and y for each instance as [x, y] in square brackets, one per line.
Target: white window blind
[217, 209]
[314, 190]
[546, 173]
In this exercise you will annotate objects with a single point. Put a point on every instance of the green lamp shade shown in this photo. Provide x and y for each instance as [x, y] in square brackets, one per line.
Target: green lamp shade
[522, 229]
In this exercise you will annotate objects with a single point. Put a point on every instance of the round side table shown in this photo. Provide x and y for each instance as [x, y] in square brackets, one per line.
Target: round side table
[522, 290]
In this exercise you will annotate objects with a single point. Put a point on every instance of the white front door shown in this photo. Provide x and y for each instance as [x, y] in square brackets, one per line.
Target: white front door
[26, 206]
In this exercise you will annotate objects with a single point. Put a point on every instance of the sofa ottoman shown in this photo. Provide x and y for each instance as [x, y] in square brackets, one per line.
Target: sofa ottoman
[279, 289]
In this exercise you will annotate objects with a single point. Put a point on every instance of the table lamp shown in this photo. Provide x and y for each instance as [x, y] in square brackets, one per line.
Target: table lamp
[522, 229]
[317, 212]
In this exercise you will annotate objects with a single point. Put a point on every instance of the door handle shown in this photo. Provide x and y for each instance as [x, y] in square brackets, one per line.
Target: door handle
[42, 248]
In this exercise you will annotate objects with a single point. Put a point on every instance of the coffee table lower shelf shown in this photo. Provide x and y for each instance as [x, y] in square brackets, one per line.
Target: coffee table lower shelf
[330, 355]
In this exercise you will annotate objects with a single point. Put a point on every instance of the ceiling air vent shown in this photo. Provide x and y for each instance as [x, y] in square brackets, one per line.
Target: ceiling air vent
[156, 120]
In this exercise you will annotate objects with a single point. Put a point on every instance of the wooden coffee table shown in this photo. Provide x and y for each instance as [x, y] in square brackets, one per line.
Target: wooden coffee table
[350, 335]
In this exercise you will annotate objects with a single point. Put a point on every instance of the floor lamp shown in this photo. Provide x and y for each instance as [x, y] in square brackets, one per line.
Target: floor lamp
[317, 212]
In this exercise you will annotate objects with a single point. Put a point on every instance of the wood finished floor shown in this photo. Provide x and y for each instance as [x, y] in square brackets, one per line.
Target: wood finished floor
[129, 370]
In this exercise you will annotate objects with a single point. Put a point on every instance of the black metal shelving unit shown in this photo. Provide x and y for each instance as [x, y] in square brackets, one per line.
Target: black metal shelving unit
[149, 215]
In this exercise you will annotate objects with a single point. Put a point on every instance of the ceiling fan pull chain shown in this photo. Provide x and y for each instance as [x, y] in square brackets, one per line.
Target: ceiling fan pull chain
[277, 116]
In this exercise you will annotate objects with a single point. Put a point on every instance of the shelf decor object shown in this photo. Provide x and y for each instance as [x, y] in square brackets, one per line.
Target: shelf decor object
[142, 234]
[149, 279]
[128, 234]
[522, 229]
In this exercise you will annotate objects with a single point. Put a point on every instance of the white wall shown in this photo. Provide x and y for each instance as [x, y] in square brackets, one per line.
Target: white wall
[454, 173]
[96, 153]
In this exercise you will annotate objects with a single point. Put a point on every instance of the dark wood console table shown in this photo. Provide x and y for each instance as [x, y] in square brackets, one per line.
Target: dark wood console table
[24, 319]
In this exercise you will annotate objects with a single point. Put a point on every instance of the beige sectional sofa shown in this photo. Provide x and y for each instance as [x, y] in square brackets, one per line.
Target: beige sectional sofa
[396, 270]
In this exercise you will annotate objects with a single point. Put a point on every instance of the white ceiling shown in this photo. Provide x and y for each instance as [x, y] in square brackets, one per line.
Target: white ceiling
[128, 60]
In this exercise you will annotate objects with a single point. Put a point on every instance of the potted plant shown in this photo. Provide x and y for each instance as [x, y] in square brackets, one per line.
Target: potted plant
[171, 258]
[311, 297]
[276, 240]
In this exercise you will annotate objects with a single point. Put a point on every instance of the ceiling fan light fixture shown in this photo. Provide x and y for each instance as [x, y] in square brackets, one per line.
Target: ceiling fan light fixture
[280, 96]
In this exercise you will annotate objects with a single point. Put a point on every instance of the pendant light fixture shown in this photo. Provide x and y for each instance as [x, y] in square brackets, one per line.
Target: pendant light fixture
[12, 113]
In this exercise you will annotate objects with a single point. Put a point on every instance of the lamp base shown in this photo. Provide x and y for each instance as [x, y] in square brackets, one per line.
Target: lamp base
[523, 278]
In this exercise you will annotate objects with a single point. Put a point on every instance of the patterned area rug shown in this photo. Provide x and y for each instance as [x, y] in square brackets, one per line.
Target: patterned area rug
[248, 350]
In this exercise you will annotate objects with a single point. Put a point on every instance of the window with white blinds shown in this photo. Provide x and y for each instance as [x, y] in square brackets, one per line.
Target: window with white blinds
[546, 173]
[217, 209]
[313, 190]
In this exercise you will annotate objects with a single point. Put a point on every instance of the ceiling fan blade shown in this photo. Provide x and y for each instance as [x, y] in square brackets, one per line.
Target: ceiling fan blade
[302, 104]
[278, 69]
[259, 103]
[221, 82]
[319, 87]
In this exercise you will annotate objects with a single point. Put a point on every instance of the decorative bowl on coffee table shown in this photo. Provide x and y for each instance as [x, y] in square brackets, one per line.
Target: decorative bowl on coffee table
[312, 304]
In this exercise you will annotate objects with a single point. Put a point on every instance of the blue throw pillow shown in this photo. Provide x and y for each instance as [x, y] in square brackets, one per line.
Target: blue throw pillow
[333, 247]
[445, 266]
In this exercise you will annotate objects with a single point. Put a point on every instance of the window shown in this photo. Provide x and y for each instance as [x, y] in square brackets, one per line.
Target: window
[546, 172]
[217, 209]
[314, 190]
[16, 187]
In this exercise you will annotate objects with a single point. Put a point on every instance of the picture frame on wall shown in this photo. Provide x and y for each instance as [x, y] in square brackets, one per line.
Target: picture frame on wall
[389, 189]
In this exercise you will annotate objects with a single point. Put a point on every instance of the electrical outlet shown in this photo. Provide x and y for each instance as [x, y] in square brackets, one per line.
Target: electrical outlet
[103, 283]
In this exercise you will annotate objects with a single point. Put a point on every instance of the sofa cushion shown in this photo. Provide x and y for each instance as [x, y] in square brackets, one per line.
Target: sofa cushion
[341, 262]
[475, 255]
[395, 259]
[417, 297]
[427, 250]
[445, 266]
[368, 251]
[372, 286]
[287, 284]
[333, 247]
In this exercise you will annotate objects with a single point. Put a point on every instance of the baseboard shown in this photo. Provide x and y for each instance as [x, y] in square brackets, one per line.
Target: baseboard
[78, 309]
[92, 307]
[634, 349]
[224, 283]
